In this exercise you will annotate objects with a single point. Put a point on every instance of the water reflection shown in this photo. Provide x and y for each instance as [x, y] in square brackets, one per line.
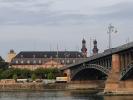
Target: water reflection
[118, 98]
[58, 95]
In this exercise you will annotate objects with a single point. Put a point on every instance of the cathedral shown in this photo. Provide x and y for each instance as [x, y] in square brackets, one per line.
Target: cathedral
[47, 59]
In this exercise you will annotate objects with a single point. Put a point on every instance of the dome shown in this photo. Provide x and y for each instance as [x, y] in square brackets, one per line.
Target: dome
[83, 41]
[11, 51]
[95, 41]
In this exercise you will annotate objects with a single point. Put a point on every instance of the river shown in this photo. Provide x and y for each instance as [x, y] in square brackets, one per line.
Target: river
[58, 95]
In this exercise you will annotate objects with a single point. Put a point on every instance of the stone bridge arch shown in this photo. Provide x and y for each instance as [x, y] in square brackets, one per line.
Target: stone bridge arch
[100, 68]
[126, 72]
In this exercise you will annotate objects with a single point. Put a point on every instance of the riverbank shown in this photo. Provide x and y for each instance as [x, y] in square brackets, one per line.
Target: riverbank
[47, 87]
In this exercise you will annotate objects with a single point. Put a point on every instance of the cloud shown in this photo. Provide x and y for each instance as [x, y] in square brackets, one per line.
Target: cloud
[118, 12]
[61, 12]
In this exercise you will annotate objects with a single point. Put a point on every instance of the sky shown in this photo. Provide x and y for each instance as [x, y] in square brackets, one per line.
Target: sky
[44, 25]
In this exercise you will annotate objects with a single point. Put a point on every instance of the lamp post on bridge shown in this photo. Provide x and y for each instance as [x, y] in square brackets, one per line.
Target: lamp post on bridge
[111, 29]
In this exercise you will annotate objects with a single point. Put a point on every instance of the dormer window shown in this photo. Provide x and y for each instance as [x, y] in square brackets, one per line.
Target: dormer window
[21, 56]
[45, 56]
[34, 56]
[56, 56]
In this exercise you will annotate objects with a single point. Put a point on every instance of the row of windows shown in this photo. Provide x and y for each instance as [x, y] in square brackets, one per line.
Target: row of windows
[34, 61]
[45, 56]
[28, 62]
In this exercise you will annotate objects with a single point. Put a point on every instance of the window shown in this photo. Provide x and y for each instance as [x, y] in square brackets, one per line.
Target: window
[45, 56]
[74, 61]
[68, 61]
[34, 62]
[21, 56]
[16, 61]
[28, 62]
[56, 56]
[22, 61]
[34, 56]
[40, 61]
[63, 61]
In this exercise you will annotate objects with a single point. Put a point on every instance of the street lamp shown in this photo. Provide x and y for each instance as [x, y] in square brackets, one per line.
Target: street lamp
[111, 29]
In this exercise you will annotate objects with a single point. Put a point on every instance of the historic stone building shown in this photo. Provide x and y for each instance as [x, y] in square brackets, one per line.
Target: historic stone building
[47, 59]
[10, 56]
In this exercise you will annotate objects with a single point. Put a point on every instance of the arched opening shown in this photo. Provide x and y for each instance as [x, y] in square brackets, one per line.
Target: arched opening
[64, 74]
[89, 74]
[128, 75]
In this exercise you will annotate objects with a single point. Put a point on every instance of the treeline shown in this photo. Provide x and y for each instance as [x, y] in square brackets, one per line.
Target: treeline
[40, 73]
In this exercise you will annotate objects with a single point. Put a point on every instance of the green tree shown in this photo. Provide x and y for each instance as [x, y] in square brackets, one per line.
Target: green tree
[40, 73]
[15, 77]
[7, 74]
[33, 77]
[50, 75]
[3, 65]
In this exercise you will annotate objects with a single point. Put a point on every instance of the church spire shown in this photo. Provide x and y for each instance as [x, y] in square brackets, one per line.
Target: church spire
[95, 49]
[84, 49]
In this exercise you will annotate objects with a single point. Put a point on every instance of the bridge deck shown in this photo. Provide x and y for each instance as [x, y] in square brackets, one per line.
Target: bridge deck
[100, 55]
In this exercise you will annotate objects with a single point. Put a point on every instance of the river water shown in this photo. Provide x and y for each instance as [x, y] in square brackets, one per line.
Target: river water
[58, 95]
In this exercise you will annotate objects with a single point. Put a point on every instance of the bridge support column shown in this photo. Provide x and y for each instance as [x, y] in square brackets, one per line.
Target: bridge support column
[68, 73]
[112, 82]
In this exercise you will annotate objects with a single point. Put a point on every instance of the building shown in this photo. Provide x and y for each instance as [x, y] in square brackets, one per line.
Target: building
[95, 49]
[10, 56]
[45, 59]
[84, 49]
[48, 59]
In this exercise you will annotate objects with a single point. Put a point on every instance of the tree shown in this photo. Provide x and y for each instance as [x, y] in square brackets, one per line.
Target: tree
[3, 65]
[7, 74]
[40, 73]
[33, 77]
[15, 77]
[50, 75]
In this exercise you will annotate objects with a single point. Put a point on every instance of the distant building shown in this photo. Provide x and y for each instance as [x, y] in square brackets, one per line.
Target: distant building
[10, 56]
[47, 59]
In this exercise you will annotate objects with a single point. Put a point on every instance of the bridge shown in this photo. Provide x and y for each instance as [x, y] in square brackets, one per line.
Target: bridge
[114, 66]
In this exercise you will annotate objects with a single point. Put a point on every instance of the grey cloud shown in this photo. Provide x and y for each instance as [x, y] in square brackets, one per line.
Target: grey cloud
[120, 12]
[39, 12]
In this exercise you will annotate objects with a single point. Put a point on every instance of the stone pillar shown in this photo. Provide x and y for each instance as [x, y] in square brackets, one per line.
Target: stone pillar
[122, 61]
[112, 82]
[67, 71]
[115, 63]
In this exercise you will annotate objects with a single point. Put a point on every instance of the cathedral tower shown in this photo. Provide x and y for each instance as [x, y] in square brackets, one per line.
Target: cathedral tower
[95, 49]
[84, 49]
